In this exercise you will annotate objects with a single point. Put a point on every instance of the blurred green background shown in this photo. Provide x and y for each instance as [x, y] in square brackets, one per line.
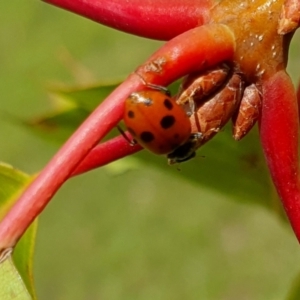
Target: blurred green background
[144, 233]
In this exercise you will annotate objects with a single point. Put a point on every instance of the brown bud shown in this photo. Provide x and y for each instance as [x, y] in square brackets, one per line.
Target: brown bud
[247, 113]
[289, 17]
[197, 86]
[211, 115]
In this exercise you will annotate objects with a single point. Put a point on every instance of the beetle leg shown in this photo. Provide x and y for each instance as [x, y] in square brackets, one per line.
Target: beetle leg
[154, 86]
[131, 142]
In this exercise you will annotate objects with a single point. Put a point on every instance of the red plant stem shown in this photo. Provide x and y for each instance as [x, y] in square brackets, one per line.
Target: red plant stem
[208, 45]
[61, 166]
[155, 19]
[118, 147]
[279, 130]
[105, 153]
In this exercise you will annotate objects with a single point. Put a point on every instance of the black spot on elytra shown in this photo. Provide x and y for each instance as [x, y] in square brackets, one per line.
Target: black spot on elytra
[167, 122]
[130, 114]
[168, 104]
[147, 137]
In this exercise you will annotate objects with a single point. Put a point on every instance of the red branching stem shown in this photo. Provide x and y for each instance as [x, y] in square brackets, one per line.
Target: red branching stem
[105, 153]
[185, 58]
[155, 19]
[279, 129]
[118, 148]
[207, 45]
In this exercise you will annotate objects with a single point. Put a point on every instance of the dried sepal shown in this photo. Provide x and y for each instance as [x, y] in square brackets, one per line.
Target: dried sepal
[210, 116]
[248, 112]
[289, 17]
[196, 86]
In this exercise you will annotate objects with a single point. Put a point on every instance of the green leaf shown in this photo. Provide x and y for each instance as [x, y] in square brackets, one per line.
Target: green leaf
[294, 293]
[58, 126]
[23, 257]
[73, 105]
[12, 182]
[87, 98]
[12, 286]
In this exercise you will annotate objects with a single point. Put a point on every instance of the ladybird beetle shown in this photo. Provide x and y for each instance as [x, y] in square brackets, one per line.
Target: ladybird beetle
[156, 121]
